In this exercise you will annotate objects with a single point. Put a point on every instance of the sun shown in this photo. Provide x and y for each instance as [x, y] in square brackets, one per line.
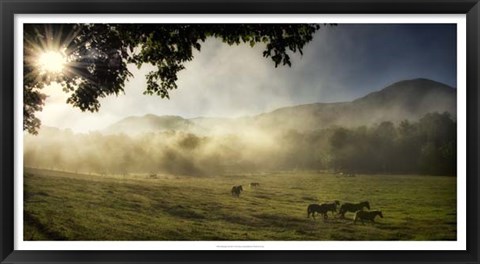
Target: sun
[51, 62]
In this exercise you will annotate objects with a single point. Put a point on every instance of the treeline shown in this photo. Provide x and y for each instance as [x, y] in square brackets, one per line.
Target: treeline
[427, 146]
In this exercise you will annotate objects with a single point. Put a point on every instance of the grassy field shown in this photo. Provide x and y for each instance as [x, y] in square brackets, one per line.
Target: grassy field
[67, 206]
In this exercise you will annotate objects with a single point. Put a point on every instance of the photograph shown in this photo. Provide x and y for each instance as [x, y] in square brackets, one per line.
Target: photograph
[240, 132]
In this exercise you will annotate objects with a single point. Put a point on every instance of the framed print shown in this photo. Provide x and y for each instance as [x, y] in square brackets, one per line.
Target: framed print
[252, 132]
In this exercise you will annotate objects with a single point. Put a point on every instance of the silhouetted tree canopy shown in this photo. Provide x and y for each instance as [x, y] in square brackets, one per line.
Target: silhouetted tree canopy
[426, 147]
[98, 54]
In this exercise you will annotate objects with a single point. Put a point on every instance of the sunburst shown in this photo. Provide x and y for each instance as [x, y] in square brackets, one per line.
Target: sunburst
[49, 53]
[51, 62]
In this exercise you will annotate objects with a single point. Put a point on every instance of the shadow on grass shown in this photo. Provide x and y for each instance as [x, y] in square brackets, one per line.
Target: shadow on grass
[28, 195]
[181, 211]
[309, 198]
[279, 220]
[241, 220]
[31, 220]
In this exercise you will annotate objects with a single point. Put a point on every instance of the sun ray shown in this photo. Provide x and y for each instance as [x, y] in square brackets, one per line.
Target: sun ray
[51, 62]
[48, 52]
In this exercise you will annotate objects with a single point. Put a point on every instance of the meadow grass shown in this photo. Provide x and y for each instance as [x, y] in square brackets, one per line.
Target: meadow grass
[68, 206]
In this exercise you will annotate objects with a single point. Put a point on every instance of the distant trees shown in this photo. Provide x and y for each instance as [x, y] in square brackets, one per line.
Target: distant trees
[94, 153]
[426, 146]
[439, 152]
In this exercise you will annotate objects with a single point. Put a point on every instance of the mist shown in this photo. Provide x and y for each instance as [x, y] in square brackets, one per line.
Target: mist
[234, 112]
[341, 63]
[427, 146]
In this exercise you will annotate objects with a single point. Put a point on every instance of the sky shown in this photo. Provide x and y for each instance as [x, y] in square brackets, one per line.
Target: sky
[341, 63]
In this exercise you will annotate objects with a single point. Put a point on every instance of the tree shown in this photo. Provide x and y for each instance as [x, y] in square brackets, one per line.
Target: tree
[97, 56]
[385, 134]
[438, 154]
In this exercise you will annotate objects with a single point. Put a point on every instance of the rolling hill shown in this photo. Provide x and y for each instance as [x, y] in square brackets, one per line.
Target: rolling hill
[409, 99]
[149, 123]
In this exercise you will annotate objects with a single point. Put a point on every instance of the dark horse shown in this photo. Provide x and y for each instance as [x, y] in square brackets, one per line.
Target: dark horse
[366, 215]
[322, 209]
[332, 207]
[236, 190]
[351, 207]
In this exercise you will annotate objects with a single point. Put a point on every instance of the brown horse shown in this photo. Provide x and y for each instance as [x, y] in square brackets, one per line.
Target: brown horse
[366, 215]
[351, 207]
[236, 190]
[322, 209]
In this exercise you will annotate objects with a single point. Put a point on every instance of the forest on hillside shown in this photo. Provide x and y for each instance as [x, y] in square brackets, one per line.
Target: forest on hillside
[427, 146]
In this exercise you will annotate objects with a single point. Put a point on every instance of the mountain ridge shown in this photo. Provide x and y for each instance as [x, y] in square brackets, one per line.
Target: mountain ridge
[406, 99]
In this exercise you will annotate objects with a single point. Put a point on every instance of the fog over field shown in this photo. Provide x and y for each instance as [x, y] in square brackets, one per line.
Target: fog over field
[359, 132]
[400, 129]
[387, 92]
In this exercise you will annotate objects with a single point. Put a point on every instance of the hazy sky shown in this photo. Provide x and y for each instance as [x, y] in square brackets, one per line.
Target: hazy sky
[340, 64]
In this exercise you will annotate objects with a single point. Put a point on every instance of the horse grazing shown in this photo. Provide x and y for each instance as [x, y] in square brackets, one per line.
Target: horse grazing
[254, 184]
[322, 209]
[367, 215]
[236, 190]
[351, 207]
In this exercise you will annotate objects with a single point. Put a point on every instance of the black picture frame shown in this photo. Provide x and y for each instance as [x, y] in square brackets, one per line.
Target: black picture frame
[9, 8]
